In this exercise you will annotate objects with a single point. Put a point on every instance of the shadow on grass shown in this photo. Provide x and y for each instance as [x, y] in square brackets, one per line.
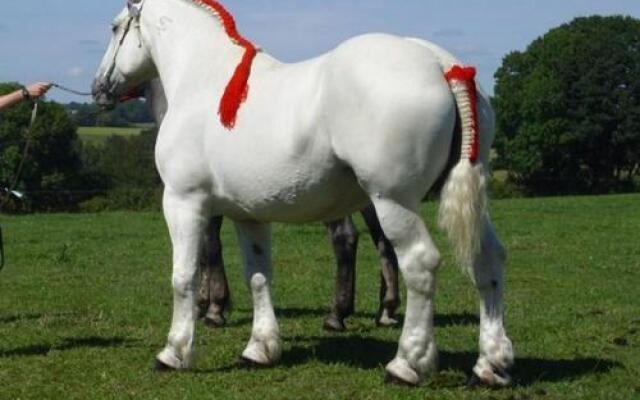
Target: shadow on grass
[67, 344]
[369, 353]
[21, 317]
[456, 319]
[530, 370]
[356, 351]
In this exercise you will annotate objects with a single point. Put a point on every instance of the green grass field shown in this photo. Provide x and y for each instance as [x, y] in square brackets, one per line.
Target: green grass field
[98, 134]
[85, 304]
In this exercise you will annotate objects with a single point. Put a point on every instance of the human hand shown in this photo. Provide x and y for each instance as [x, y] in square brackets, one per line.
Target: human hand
[37, 90]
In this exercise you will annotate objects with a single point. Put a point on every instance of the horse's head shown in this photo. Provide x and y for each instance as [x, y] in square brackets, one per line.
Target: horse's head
[127, 62]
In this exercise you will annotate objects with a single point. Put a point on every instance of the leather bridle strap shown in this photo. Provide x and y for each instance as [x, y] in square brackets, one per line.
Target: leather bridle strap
[107, 75]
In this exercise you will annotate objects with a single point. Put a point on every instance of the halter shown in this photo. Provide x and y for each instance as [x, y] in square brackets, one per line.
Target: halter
[135, 9]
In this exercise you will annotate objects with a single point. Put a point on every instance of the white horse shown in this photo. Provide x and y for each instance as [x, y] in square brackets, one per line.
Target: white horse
[214, 296]
[371, 121]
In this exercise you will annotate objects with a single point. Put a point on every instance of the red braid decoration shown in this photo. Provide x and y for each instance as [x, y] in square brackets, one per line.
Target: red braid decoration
[238, 86]
[466, 76]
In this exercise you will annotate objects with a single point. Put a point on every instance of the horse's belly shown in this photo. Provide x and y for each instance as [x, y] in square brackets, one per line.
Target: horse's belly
[292, 196]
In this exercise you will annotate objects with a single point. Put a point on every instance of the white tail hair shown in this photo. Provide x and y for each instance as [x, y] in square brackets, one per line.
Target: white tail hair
[463, 200]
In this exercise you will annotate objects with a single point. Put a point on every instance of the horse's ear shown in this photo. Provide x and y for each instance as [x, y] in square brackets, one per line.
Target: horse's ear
[135, 7]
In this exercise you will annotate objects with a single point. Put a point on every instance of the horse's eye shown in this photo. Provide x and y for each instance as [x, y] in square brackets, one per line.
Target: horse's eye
[114, 28]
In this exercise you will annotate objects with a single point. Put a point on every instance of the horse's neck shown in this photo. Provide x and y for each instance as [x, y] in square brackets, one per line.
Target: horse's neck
[189, 46]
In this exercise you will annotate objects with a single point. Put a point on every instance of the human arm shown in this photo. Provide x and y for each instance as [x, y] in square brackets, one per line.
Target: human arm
[33, 91]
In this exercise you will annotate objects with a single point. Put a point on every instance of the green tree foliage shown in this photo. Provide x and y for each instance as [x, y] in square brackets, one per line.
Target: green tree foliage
[125, 114]
[569, 108]
[60, 173]
[127, 167]
[52, 164]
[129, 161]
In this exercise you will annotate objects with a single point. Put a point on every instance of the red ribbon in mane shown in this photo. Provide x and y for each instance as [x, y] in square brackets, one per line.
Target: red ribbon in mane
[467, 75]
[238, 87]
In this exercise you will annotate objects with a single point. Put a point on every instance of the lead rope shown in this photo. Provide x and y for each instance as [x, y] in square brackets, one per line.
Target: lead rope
[34, 113]
[25, 152]
[11, 189]
[66, 89]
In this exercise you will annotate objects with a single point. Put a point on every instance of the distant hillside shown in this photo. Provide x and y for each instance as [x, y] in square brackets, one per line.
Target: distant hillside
[125, 114]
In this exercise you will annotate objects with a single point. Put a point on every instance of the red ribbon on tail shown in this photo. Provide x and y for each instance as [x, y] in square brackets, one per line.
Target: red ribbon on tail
[466, 76]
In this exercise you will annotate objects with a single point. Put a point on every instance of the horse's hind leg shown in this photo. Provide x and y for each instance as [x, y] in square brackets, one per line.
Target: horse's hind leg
[389, 291]
[418, 260]
[496, 352]
[214, 297]
[187, 220]
[264, 347]
[344, 238]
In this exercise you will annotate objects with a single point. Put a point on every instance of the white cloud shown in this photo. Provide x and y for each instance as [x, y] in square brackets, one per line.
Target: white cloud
[76, 72]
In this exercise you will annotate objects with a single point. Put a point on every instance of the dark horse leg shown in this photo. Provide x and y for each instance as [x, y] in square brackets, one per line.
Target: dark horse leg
[389, 292]
[214, 297]
[344, 238]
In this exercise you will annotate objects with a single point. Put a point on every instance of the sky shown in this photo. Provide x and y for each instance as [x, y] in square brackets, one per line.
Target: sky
[63, 40]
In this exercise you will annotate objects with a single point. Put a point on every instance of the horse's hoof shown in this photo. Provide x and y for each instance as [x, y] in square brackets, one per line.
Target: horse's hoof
[333, 324]
[386, 322]
[246, 363]
[159, 366]
[489, 379]
[474, 381]
[391, 379]
[386, 319]
[215, 322]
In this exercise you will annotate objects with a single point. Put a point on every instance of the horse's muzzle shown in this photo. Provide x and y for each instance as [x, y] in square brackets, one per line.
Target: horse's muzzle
[102, 95]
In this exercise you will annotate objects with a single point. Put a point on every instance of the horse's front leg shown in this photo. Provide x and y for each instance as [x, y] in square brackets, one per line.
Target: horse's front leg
[344, 238]
[389, 290]
[186, 218]
[264, 347]
[214, 297]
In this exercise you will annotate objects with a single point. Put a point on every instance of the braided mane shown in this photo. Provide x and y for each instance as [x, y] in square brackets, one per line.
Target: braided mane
[238, 86]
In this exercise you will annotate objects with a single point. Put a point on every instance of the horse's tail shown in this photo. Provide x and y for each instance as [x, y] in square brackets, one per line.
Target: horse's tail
[463, 196]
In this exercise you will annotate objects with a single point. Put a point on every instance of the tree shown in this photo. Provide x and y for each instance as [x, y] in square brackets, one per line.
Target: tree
[52, 163]
[127, 168]
[131, 112]
[568, 108]
[129, 162]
